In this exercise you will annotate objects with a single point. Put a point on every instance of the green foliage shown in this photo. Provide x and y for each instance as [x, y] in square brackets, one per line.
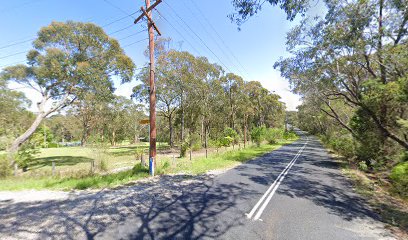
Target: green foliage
[258, 135]
[289, 135]
[272, 135]
[370, 140]
[227, 141]
[26, 154]
[69, 61]
[5, 169]
[399, 177]
[343, 144]
[244, 9]
[183, 149]
[362, 165]
[43, 137]
[230, 136]
[195, 142]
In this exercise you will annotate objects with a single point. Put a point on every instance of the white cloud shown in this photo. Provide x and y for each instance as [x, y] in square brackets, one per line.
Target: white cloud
[275, 83]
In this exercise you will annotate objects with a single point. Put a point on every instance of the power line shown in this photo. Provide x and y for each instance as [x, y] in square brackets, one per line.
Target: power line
[33, 38]
[90, 58]
[213, 39]
[18, 6]
[14, 54]
[122, 29]
[17, 43]
[11, 64]
[131, 35]
[197, 36]
[130, 44]
[219, 36]
[120, 9]
[182, 36]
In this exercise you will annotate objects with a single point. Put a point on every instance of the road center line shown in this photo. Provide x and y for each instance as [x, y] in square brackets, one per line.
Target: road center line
[272, 189]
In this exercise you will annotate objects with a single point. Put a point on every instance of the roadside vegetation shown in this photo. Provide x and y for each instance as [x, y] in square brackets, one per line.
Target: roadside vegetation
[74, 169]
[350, 66]
[83, 135]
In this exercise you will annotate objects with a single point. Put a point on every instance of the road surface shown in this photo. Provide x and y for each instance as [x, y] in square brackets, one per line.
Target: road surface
[296, 192]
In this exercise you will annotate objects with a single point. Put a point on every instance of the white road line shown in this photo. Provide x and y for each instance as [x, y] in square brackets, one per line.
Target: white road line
[260, 211]
[272, 189]
[249, 215]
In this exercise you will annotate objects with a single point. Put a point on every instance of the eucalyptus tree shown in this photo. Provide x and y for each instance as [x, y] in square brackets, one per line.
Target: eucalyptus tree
[244, 9]
[68, 60]
[14, 116]
[173, 71]
[208, 91]
[233, 86]
[358, 60]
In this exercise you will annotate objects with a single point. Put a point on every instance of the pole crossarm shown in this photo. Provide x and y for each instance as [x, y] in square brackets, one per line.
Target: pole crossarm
[146, 13]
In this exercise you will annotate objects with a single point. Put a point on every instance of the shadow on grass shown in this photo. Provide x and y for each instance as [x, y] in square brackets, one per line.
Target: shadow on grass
[131, 150]
[59, 161]
[99, 181]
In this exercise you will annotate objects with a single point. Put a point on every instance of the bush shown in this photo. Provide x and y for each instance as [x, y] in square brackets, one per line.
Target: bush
[5, 168]
[344, 145]
[399, 177]
[273, 135]
[26, 154]
[226, 141]
[289, 135]
[183, 149]
[258, 135]
[362, 165]
[230, 136]
[52, 145]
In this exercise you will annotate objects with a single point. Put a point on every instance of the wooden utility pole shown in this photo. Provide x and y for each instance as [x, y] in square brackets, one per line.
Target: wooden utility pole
[152, 95]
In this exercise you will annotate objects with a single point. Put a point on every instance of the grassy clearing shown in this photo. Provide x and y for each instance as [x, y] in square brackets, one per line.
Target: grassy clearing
[83, 179]
[70, 161]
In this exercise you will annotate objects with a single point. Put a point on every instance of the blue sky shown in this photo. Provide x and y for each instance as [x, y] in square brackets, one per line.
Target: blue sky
[255, 48]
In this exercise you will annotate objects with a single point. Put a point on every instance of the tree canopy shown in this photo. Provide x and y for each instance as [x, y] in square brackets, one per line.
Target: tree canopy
[68, 60]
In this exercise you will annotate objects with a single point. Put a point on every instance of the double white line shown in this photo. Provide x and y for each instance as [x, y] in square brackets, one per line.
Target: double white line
[272, 189]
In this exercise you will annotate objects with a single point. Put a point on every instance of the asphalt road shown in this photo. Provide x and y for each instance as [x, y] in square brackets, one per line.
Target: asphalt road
[296, 192]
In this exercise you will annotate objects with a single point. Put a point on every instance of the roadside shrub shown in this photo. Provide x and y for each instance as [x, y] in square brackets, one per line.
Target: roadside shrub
[344, 145]
[273, 135]
[232, 136]
[103, 165]
[138, 168]
[183, 149]
[362, 165]
[258, 135]
[289, 135]
[52, 145]
[399, 177]
[5, 169]
[196, 146]
[26, 154]
[226, 141]
[161, 169]
[217, 143]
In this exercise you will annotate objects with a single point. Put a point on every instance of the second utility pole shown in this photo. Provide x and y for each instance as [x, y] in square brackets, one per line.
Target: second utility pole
[152, 90]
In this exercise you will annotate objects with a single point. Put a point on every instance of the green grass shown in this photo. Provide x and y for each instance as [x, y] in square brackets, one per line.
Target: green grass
[91, 181]
[79, 159]
[224, 160]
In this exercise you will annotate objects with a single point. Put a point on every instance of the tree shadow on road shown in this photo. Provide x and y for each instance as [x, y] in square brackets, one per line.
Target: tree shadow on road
[174, 207]
[317, 177]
